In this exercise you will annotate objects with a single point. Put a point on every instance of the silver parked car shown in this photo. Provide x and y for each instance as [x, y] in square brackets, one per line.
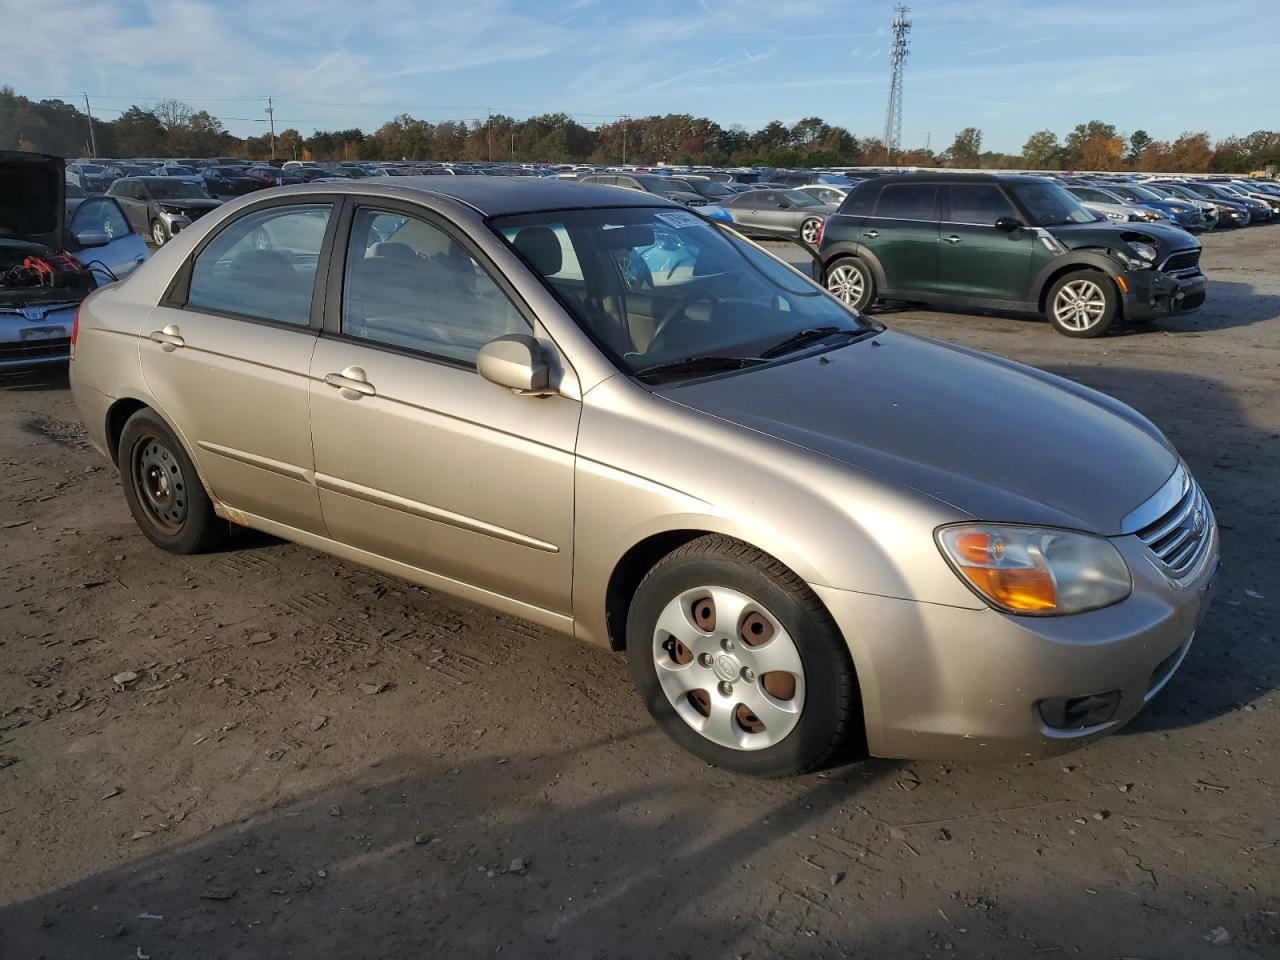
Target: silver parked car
[596, 410]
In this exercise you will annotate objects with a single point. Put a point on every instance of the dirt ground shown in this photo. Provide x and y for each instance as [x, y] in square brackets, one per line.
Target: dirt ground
[300, 758]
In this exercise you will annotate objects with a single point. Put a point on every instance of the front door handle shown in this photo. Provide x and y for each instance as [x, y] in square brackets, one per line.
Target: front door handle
[352, 382]
[168, 338]
[872, 234]
[951, 239]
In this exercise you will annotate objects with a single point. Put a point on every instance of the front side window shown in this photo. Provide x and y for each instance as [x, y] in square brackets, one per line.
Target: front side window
[1049, 204]
[907, 201]
[982, 203]
[661, 286]
[262, 265]
[409, 284]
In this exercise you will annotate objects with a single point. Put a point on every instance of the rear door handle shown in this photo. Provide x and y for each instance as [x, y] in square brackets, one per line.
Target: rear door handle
[168, 338]
[951, 239]
[872, 234]
[352, 382]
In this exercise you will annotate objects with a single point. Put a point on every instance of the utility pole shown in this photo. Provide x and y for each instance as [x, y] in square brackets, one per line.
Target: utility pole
[271, 118]
[901, 26]
[489, 130]
[626, 123]
[513, 146]
[93, 140]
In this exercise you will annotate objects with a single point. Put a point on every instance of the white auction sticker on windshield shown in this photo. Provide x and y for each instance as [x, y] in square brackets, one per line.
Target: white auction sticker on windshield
[678, 219]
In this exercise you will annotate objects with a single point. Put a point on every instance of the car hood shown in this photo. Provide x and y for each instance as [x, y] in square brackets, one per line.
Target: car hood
[190, 203]
[1166, 238]
[996, 440]
[32, 198]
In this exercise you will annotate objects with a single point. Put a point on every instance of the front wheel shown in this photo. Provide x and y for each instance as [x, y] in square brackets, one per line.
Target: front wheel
[162, 488]
[811, 231]
[851, 281]
[738, 661]
[1083, 304]
[159, 233]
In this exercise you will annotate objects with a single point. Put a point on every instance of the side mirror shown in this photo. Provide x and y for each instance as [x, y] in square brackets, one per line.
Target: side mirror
[1008, 224]
[91, 238]
[515, 362]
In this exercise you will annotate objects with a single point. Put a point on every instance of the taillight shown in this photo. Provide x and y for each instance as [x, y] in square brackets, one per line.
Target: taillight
[75, 331]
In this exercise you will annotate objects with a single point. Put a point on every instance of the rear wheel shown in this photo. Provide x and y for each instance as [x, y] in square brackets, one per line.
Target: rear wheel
[851, 281]
[162, 488]
[1083, 303]
[738, 661]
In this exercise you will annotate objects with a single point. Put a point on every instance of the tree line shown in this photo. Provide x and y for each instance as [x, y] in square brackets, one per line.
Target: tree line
[174, 129]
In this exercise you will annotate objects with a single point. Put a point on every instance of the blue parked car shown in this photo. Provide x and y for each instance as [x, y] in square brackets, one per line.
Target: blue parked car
[1183, 213]
[50, 259]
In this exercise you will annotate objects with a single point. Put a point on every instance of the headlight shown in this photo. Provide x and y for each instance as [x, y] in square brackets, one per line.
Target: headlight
[1115, 215]
[1145, 250]
[1035, 570]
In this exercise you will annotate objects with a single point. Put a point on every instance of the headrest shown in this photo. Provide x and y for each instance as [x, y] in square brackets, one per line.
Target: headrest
[540, 247]
[391, 249]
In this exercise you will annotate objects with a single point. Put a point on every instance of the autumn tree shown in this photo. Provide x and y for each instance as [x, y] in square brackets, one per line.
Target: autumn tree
[1100, 152]
[1190, 153]
[1073, 147]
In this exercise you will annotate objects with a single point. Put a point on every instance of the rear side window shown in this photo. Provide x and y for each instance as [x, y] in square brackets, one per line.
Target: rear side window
[908, 201]
[262, 265]
[982, 203]
[409, 284]
[860, 202]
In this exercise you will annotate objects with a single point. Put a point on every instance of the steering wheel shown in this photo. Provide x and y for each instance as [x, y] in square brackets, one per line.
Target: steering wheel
[676, 309]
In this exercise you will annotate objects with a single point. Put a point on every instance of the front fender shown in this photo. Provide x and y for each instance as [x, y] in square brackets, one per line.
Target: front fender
[1088, 258]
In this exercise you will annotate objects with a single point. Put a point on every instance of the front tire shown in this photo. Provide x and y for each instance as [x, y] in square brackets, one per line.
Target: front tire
[811, 231]
[851, 281]
[1083, 303]
[738, 662]
[163, 490]
[159, 233]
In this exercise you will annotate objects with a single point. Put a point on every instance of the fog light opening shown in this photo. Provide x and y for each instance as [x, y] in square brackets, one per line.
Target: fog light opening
[1079, 713]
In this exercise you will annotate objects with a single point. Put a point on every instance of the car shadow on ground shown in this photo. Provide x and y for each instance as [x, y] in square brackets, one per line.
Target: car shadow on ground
[392, 863]
[1234, 459]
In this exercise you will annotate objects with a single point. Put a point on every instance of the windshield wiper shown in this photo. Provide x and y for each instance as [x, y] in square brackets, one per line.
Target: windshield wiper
[704, 364]
[810, 335]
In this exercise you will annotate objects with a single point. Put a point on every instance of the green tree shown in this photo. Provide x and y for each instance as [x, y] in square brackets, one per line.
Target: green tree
[1139, 140]
[1042, 151]
[138, 133]
[966, 149]
[1076, 139]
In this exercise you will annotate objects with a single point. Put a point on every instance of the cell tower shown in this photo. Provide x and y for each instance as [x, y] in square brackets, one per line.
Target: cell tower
[897, 59]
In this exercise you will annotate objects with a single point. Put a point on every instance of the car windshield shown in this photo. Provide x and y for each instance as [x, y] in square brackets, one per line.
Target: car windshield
[708, 188]
[662, 185]
[656, 286]
[90, 168]
[176, 190]
[1050, 205]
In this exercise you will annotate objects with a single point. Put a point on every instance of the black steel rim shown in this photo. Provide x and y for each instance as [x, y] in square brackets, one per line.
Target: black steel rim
[159, 483]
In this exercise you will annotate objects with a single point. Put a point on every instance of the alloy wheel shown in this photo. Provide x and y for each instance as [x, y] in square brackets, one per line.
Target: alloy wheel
[158, 233]
[159, 482]
[1079, 305]
[809, 231]
[728, 667]
[847, 283]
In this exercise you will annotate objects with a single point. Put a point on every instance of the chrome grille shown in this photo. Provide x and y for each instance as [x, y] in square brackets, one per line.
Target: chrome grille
[1178, 536]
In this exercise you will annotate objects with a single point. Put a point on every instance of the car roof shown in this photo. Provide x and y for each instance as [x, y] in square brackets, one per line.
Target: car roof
[499, 196]
[944, 177]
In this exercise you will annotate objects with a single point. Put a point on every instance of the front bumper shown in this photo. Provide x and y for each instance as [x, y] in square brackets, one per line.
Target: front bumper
[941, 682]
[175, 222]
[1151, 293]
[37, 338]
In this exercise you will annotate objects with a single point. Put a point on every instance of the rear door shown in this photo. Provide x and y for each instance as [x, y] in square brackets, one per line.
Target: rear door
[227, 357]
[902, 237]
[974, 258]
[418, 458]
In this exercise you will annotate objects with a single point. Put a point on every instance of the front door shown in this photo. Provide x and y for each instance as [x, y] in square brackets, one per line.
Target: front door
[228, 360]
[419, 459]
[902, 237]
[975, 259]
[117, 249]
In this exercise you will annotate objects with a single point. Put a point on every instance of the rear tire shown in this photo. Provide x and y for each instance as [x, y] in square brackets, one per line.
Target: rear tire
[1083, 304]
[738, 661]
[851, 281]
[163, 490]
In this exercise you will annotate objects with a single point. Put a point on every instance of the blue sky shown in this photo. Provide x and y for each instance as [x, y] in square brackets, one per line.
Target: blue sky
[1006, 66]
